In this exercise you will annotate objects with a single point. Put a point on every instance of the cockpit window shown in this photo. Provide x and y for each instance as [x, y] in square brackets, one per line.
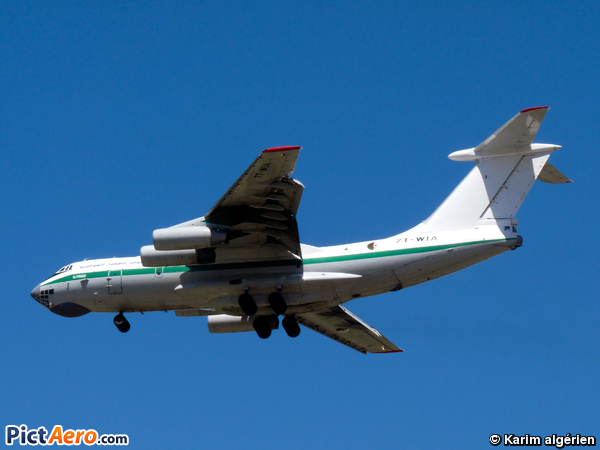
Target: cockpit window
[61, 270]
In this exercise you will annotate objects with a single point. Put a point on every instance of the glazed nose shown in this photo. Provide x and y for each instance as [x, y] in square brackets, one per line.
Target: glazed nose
[35, 292]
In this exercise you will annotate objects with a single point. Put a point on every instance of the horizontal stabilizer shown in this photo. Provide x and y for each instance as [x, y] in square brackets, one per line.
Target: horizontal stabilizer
[551, 174]
[517, 132]
[515, 137]
[506, 166]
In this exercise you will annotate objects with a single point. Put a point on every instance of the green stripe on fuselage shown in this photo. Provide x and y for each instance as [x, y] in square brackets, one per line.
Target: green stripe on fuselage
[386, 253]
[276, 263]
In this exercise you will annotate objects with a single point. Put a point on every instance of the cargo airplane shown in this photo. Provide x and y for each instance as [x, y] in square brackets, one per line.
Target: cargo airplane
[243, 265]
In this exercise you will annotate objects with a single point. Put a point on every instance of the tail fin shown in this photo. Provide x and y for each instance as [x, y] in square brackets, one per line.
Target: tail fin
[506, 166]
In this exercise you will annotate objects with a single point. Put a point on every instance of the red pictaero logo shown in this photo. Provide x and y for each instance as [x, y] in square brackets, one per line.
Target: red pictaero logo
[21, 435]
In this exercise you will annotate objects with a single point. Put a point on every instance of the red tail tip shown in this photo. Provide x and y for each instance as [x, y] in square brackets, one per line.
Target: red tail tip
[533, 109]
[281, 149]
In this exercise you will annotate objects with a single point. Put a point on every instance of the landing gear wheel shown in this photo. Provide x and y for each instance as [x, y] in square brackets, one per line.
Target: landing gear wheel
[247, 304]
[121, 323]
[262, 327]
[277, 303]
[290, 326]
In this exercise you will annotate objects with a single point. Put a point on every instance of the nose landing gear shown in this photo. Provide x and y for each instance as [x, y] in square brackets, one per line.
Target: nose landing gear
[122, 323]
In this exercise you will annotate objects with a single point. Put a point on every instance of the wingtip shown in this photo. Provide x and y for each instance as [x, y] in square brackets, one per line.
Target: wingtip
[281, 149]
[534, 108]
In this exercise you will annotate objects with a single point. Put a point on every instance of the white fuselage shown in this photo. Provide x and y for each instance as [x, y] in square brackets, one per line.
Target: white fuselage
[325, 277]
[242, 263]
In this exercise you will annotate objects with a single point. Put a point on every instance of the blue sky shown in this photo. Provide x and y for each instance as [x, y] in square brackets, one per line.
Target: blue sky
[117, 119]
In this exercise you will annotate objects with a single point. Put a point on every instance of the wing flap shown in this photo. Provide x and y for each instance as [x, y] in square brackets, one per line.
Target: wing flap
[344, 327]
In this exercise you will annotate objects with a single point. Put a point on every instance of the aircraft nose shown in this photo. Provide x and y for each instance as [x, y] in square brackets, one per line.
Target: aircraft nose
[35, 292]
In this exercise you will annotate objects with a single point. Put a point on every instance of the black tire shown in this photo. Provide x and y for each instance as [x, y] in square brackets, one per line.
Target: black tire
[247, 304]
[121, 323]
[290, 326]
[277, 303]
[262, 327]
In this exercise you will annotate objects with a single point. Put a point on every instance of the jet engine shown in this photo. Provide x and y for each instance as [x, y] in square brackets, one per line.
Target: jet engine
[153, 258]
[223, 323]
[188, 237]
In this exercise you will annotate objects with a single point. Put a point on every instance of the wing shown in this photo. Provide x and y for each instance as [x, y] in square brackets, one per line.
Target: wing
[266, 185]
[259, 211]
[341, 325]
[517, 132]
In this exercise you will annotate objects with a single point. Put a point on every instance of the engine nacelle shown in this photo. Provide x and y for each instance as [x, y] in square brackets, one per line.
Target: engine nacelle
[224, 323]
[188, 237]
[153, 258]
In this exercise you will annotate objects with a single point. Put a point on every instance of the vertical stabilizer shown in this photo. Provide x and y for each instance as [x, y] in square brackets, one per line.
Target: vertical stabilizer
[506, 166]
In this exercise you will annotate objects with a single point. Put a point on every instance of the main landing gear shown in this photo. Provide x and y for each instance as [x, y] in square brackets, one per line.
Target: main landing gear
[275, 299]
[263, 325]
[122, 323]
[291, 327]
[277, 303]
[247, 304]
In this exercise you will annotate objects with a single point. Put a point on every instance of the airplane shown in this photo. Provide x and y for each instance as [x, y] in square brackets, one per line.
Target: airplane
[242, 264]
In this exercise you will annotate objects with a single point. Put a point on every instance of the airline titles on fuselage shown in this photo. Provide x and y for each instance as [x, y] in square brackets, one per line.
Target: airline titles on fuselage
[418, 239]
